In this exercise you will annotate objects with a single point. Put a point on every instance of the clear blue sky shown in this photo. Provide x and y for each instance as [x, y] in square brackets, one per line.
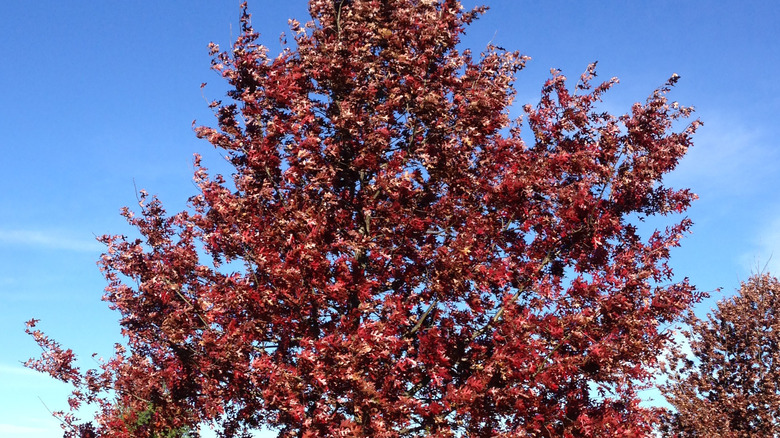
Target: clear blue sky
[99, 96]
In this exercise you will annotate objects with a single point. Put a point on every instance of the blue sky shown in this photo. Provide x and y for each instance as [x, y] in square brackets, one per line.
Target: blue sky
[99, 97]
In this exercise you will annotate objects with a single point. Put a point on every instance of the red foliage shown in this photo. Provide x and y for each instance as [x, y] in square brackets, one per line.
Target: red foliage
[729, 384]
[409, 266]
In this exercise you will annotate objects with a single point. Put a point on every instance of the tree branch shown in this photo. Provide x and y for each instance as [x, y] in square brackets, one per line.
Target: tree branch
[422, 319]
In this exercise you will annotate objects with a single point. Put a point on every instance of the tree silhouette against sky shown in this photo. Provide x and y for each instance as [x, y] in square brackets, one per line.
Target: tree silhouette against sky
[730, 385]
[391, 258]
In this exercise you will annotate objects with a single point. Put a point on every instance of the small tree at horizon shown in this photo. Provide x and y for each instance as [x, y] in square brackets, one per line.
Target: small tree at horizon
[729, 386]
[391, 258]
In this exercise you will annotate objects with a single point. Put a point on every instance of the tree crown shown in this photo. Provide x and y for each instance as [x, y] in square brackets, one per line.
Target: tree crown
[730, 384]
[409, 265]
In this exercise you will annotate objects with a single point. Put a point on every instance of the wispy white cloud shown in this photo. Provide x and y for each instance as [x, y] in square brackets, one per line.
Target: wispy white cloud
[47, 239]
[764, 256]
[728, 158]
[17, 370]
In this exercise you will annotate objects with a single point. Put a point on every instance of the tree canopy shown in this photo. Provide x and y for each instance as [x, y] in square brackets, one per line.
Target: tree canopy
[390, 257]
[729, 386]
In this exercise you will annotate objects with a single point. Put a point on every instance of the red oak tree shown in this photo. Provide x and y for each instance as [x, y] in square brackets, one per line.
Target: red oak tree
[730, 386]
[391, 258]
